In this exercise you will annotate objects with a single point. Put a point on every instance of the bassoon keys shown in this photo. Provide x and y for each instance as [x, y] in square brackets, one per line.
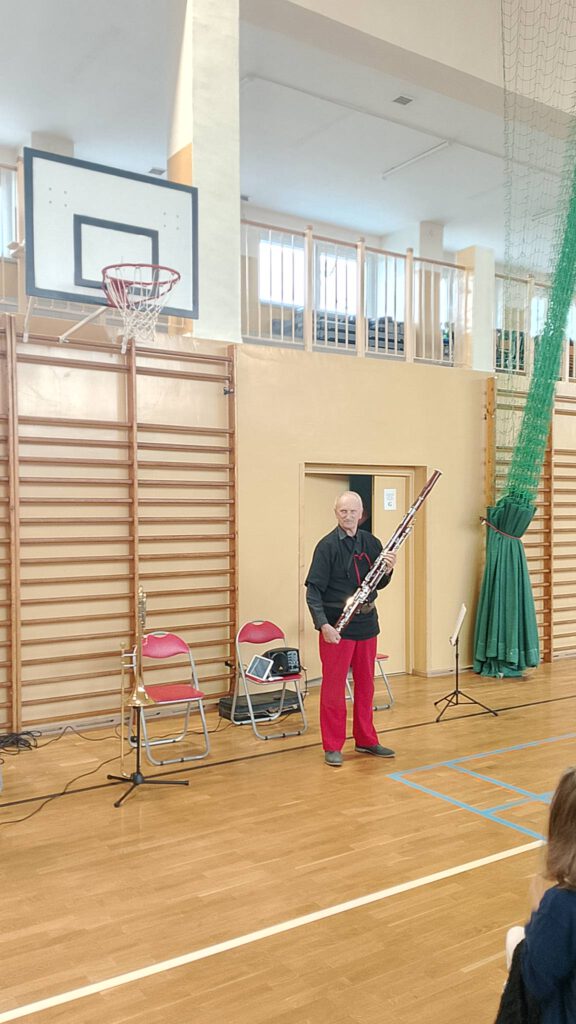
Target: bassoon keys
[380, 568]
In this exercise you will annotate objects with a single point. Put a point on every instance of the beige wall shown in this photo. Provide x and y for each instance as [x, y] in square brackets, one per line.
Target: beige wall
[8, 279]
[297, 408]
[465, 36]
[451, 47]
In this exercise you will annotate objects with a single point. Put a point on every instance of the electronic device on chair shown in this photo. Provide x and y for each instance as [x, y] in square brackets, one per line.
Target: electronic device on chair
[260, 668]
[244, 704]
[265, 705]
[285, 661]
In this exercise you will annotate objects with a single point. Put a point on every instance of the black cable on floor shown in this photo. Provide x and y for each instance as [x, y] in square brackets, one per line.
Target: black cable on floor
[14, 742]
[249, 757]
[62, 792]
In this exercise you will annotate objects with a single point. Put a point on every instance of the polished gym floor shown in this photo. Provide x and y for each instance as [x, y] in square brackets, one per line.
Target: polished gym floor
[273, 888]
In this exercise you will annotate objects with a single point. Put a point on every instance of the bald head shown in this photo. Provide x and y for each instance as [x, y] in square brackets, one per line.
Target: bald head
[348, 509]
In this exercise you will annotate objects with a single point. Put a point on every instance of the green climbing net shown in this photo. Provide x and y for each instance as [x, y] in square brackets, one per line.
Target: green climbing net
[539, 58]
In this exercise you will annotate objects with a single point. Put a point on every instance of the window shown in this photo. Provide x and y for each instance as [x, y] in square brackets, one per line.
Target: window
[538, 312]
[571, 323]
[385, 286]
[336, 282]
[7, 210]
[281, 274]
[449, 286]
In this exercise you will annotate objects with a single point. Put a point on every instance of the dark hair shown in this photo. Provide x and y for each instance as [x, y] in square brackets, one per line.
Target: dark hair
[561, 851]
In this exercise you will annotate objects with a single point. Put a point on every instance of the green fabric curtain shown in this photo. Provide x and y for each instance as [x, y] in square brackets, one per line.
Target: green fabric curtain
[506, 634]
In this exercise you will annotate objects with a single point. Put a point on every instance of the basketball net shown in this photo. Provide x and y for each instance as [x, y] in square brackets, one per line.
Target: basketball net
[139, 292]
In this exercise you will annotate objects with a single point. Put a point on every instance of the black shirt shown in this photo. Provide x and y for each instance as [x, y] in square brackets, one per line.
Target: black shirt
[339, 564]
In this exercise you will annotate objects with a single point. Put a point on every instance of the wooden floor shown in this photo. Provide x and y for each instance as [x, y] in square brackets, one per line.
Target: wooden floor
[266, 834]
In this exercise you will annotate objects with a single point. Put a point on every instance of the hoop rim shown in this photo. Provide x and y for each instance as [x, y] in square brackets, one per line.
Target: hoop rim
[106, 275]
[117, 287]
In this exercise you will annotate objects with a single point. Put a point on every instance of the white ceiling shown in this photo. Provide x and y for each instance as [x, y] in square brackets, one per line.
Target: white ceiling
[101, 74]
[319, 133]
[318, 130]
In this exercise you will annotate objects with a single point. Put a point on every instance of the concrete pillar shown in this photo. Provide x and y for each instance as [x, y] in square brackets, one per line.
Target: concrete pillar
[50, 143]
[426, 239]
[204, 150]
[431, 240]
[479, 328]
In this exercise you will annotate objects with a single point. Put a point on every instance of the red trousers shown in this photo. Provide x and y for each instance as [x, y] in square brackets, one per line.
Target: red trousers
[359, 655]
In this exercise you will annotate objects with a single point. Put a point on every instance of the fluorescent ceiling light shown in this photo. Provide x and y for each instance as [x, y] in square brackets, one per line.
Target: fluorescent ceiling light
[415, 159]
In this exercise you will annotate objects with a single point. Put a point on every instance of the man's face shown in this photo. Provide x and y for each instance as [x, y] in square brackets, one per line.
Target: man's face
[348, 513]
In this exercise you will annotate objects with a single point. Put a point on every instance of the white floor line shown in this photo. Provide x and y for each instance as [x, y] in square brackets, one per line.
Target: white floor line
[263, 933]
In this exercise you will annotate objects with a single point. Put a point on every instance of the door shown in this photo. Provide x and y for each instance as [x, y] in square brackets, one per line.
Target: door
[320, 493]
[391, 500]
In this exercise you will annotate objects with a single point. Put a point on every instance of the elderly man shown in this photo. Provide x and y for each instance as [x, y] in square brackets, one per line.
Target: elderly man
[339, 564]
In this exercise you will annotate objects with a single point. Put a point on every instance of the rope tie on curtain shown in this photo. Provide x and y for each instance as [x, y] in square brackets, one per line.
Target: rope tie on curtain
[496, 530]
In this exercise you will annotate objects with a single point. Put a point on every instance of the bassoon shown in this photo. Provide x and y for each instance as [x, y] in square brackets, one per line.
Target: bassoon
[380, 569]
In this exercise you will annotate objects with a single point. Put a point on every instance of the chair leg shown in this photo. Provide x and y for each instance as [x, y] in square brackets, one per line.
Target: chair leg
[235, 696]
[272, 718]
[349, 690]
[300, 700]
[204, 728]
[148, 743]
[384, 707]
[376, 707]
[173, 739]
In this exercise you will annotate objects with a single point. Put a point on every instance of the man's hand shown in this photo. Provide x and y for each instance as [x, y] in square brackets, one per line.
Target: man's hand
[331, 635]
[389, 560]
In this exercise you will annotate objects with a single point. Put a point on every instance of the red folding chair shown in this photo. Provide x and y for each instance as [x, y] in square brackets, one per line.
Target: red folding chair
[184, 695]
[377, 707]
[261, 632]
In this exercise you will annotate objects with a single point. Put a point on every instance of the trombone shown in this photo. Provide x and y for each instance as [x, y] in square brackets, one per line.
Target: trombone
[131, 661]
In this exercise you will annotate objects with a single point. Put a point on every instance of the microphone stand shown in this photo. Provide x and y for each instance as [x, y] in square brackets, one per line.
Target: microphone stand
[139, 700]
[136, 778]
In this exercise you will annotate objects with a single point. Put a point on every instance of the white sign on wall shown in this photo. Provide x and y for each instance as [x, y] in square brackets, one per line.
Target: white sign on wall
[389, 499]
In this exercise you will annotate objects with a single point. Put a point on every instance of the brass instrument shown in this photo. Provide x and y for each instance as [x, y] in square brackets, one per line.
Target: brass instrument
[131, 660]
[139, 698]
[380, 568]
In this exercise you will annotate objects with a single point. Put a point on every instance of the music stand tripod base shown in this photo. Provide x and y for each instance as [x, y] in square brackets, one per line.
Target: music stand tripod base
[457, 696]
[137, 778]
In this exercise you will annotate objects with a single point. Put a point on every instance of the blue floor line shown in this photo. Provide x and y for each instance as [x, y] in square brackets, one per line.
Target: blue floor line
[490, 753]
[441, 796]
[487, 815]
[497, 782]
[509, 803]
[509, 824]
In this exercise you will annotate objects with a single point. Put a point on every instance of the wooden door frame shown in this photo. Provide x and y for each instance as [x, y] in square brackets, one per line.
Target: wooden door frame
[407, 474]
[310, 469]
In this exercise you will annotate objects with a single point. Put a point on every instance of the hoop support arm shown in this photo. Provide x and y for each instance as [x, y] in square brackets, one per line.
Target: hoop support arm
[82, 323]
[29, 308]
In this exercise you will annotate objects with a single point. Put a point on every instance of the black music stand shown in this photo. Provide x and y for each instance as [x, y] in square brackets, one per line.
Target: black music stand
[137, 778]
[457, 696]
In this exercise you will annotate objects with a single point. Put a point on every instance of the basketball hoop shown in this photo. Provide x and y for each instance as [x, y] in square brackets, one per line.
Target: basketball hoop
[139, 291]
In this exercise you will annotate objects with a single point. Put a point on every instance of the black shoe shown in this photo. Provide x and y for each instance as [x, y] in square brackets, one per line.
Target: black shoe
[333, 758]
[378, 750]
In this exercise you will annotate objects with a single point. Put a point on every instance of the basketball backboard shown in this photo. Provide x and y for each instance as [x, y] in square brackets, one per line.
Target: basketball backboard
[81, 217]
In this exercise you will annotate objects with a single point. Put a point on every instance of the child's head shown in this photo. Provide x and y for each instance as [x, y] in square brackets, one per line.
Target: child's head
[561, 850]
